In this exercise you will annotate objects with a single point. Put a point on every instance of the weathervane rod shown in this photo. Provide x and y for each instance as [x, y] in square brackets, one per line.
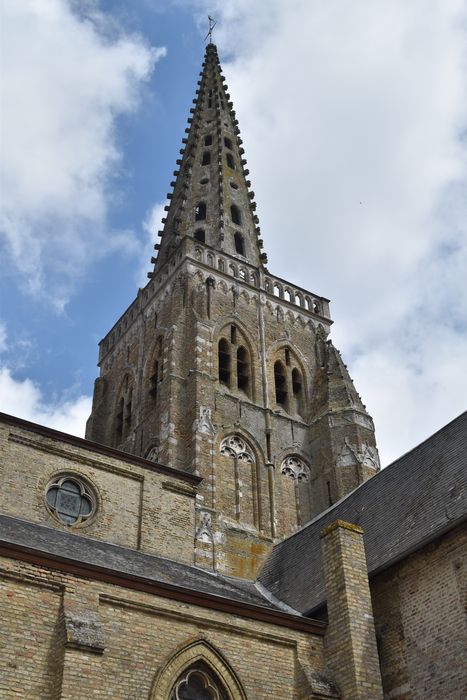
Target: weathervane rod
[212, 24]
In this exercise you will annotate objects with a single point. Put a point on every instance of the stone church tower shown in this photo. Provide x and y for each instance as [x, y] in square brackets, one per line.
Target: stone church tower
[221, 369]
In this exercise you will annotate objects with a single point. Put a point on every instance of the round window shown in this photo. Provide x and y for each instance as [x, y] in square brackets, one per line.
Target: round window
[70, 500]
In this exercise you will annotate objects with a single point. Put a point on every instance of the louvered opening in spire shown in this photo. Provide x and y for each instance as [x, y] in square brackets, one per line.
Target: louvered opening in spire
[211, 201]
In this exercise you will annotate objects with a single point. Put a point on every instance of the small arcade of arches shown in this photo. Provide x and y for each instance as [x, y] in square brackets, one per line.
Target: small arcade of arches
[234, 361]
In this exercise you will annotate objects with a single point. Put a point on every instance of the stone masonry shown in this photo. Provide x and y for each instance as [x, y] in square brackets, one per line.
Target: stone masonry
[220, 369]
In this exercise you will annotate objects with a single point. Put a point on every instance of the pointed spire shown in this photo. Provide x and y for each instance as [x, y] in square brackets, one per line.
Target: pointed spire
[211, 199]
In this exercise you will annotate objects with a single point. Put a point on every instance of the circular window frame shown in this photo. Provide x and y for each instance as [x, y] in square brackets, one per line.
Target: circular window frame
[87, 489]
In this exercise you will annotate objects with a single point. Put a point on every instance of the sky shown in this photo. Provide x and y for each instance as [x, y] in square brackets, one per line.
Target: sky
[353, 115]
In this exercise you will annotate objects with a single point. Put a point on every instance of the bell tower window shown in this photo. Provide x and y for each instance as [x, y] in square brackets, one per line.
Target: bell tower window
[224, 362]
[239, 244]
[200, 235]
[208, 140]
[280, 382]
[235, 215]
[206, 158]
[230, 160]
[243, 370]
[200, 211]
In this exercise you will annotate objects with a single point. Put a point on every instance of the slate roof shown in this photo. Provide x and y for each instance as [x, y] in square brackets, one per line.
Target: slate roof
[407, 504]
[79, 549]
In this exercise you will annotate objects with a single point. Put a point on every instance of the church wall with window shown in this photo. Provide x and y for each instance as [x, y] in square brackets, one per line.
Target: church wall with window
[67, 487]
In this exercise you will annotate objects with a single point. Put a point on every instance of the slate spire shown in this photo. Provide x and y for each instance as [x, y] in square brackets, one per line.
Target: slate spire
[211, 199]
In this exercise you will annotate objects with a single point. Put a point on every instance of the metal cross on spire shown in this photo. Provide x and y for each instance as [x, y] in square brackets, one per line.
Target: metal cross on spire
[212, 24]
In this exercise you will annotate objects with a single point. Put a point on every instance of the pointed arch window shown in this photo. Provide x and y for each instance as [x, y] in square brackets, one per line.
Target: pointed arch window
[200, 211]
[198, 684]
[208, 140]
[224, 362]
[243, 369]
[123, 414]
[206, 158]
[227, 142]
[297, 390]
[280, 383]
[234, 360]
[239, 244]
[156, 373]
[200, 235]
[230, 160]
[235, 215]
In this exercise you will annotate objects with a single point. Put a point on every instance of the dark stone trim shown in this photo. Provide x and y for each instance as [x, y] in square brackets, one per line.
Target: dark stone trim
[100, 449]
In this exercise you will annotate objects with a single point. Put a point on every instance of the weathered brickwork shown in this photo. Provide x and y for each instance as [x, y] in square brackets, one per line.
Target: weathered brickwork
[136, 507]
[419, 607]
[350, 638]
[137, 635]
[216, 347]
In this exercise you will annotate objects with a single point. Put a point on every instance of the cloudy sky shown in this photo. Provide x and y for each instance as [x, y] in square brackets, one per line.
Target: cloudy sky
[354, 119]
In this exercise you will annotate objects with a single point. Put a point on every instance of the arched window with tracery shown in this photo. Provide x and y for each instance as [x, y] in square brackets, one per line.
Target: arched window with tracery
[198, 683]
[294, 499]
[238, 491]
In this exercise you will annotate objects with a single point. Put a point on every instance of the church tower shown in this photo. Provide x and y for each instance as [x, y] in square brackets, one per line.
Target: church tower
[222, 369]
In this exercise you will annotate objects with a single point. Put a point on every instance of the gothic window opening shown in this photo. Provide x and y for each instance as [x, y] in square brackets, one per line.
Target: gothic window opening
[206, 158]
[235, 215]
[70, 500]
[128, 409]
[208, 140]
[224, 362]
[297, 390]
[200, 211]
[296, 496]
[154, 380]
[200, 235]
[227, 142]
[280, 382]
[239, 493]
[198, 684]
[119, 418]
[239, 244]
[230, 161]
[156, 374]
[243, 370]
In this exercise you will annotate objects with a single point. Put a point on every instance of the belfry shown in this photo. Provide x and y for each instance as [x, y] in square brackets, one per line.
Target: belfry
[224, 370]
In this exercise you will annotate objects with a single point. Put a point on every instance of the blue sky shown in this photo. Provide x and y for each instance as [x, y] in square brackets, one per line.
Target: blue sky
[353, 116]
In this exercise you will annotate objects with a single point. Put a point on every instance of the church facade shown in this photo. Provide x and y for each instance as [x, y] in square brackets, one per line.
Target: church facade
[224, 531]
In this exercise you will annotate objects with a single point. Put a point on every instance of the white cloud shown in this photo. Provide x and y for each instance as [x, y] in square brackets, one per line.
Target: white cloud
[354, 117]
[3, 337]
[24, 398]
[151, 225]
[66, 79]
